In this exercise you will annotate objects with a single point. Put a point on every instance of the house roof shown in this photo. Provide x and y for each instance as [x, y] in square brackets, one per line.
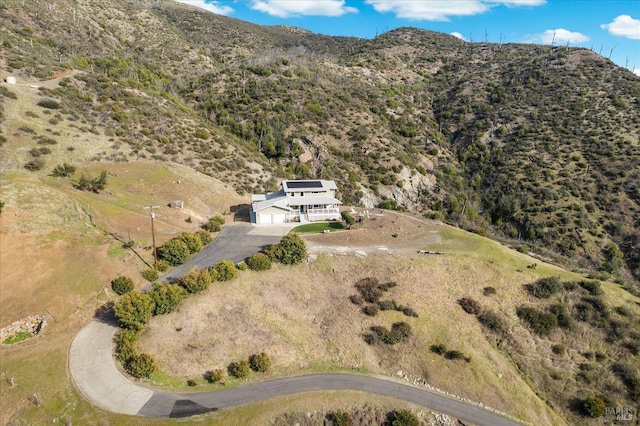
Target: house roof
[308, 185]
[278, 201]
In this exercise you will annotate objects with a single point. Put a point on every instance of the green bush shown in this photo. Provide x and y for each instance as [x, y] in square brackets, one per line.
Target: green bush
[592, 287]
[122, 285]
[174, 252]
[370, 310]
[63, 170]
[226, 270]
[542, 323]
[34, 165]
[167, 297]
[559, 349]
[240, 369]
[196, 281]
[150, 274]
[92, 184]
[403, 418]
[18, 337]
[193, 242]
[439, 349]
[260, 362]
[386, 305]
[489, 291]
[291, 250]
[162, 265]
[242, 266]
[125, 341]
[142, 365]
[491, 320]
[134, 309]
[544, 288]
[370, 290]
[339, 418]
[214, 224]
[594, 407]
[259, 262]
[204, 236]
[562, 315]
[49, 104]
[348, 219]
[214, 376]
[399, 332]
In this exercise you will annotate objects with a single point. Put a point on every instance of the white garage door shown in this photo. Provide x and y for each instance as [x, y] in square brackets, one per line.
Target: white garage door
[279, 217]
[264, 218]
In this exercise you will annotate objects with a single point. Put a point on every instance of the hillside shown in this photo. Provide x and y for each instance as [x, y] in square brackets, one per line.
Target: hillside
[536, 145]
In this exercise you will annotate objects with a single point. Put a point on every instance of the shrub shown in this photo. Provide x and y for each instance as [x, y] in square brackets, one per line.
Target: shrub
[134, 309]
[196, 281]
[369, 289]
[34, 165]
[242, 266]
[592, 287]
[356, 299]
[544, 288]
[260, 362]
[49, 104]
[562, 315]
[541, 322]
[240, 369]
[226, 270]
[174, 252]
[191, 382]
[259, 262]
[63, 170]
[370, 310]
[122, 285]
[214, 224]
[469, 305]
[92, 185]
[559, 349]
[386, 305]
[162, 265]
[193, 242]
[291, 250]
[349, 220]
[489, 291]
[150, 274]
[628, 373]
[142, 365]
[439, 349]
[18, 337]
[126, 345]
[403, 418]
[594, 407]
[204, 236]
[339, 418]
[491, 320]
[410, 312]
[456, 355]
[214, 376]
[167, 297]
[399, 331]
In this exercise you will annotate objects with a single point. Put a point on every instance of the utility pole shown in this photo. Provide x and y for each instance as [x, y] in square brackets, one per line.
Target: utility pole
[151, 209]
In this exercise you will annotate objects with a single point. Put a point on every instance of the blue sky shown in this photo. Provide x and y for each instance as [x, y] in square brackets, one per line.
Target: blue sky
[609, 27]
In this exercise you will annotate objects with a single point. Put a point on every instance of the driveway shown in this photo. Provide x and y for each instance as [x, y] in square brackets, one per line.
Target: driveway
[234, 243]
[96, 375]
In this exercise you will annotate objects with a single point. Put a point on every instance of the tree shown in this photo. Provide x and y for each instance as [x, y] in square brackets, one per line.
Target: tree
[226, 270]
[175, 252]
[63, 170]
[92, 185]
[167, 297]
[291, 250]
[122, 285]
[259, 262]
[196, 280]
[214, 376]
[613, 258]
[594, 406]
[204, 236]
[260, 362]
[240, 369]
[193, 242]
[214, 224]
[134, 309]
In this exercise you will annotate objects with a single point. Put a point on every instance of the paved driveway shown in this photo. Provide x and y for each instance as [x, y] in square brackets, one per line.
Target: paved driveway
[234, 243]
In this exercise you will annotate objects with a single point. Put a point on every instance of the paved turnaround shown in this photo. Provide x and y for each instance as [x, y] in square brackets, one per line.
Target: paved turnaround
[96, 375]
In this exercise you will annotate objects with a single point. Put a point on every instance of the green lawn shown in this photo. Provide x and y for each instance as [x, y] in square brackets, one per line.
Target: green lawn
[317, 228]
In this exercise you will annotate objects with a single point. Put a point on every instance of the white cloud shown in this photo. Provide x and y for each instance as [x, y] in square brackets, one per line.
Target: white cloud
[211, 6]
[637, 72]
[442, 10]
[458, 35]
[624, 26]
[560, 36]
[289, 8]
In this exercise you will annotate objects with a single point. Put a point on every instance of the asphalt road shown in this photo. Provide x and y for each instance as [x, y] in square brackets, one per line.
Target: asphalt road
[234, 243]
[98, 378]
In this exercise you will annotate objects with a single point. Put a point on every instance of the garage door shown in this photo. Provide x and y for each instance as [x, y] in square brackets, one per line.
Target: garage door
[264, 218]
[279, 217]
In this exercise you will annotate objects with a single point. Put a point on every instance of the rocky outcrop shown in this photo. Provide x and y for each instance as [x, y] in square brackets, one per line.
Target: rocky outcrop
[33, 325]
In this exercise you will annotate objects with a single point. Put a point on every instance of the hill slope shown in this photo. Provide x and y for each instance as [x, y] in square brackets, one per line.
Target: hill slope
[535, 144]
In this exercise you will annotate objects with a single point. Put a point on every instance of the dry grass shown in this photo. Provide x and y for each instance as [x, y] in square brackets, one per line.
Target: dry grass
[303, 318]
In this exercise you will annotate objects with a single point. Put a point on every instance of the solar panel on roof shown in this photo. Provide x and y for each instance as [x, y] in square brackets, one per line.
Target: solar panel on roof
[304, 184]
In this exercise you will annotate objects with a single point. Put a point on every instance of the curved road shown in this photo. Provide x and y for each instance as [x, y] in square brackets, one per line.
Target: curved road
[96, 375]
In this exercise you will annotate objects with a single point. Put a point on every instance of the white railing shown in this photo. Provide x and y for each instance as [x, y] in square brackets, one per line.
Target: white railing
[330, 213]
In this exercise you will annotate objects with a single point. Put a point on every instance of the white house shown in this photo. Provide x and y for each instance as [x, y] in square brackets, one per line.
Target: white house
[297, 201]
